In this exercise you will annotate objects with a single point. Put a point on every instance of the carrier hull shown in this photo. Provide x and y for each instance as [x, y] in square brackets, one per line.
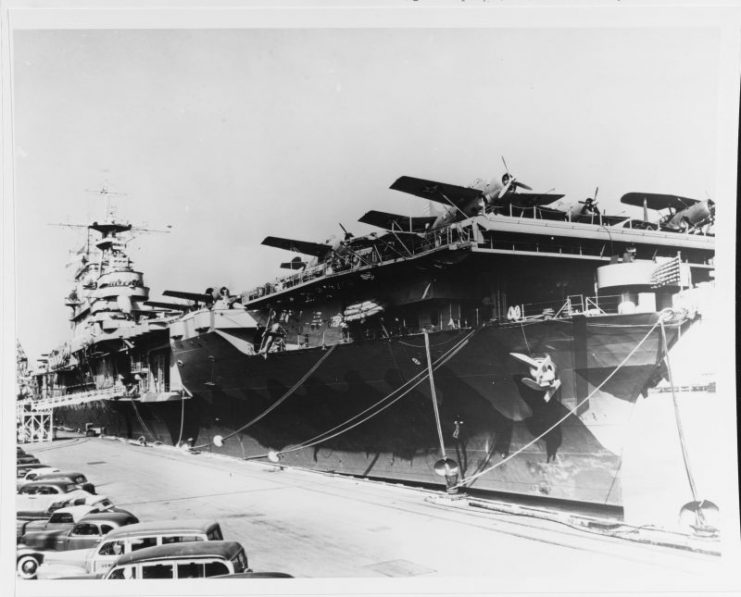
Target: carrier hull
[343, 415]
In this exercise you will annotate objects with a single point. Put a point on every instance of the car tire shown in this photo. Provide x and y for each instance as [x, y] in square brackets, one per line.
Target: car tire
[27, 567]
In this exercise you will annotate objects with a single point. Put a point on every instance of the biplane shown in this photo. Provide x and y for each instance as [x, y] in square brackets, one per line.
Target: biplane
[682, 213]
[479, 198]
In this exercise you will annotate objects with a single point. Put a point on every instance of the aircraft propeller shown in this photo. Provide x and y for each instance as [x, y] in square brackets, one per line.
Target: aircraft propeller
[590, 204]
[510, 181]
[348, 235]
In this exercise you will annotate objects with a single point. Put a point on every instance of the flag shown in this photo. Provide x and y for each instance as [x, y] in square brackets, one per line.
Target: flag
[666, 274]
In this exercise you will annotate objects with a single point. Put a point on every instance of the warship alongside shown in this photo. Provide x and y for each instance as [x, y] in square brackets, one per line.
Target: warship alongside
[500, 345]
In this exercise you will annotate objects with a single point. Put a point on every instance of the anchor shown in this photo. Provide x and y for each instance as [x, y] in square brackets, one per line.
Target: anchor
[543, 374]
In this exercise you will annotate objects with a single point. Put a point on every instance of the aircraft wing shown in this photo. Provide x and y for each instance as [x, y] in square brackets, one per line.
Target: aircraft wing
[436, 191]
[191, 296]
[637, 224]
[396, 222]
[298, 246]
[658, 201]
[530, 199]
[613, 220]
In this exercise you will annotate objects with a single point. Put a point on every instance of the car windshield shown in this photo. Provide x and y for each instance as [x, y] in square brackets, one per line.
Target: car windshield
[240, 562]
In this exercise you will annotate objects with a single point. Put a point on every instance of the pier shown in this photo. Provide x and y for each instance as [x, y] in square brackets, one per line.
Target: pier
[314, 525]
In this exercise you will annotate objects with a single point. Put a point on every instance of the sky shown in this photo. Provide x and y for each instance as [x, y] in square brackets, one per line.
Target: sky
[229, 136]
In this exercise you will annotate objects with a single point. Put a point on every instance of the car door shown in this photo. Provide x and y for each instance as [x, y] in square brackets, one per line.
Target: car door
[81, 536]
[44, 535]
[106, 555]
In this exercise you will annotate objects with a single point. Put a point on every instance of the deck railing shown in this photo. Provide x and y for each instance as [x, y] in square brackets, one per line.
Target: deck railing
[116, 391]
[575, 304]
[383, 251]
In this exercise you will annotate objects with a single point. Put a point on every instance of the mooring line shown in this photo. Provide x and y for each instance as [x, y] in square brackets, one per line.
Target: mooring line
[571, 411]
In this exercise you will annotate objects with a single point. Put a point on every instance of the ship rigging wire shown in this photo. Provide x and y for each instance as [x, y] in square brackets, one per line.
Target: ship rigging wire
[572, 411]
[280, 400]
[182, 417]
[433, 394]
[143, 424]
[680, 431]
[412, 383]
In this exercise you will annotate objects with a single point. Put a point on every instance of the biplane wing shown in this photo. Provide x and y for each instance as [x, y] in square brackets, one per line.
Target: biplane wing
[436, 191]
[637, 224]
[603, 219]
[658, 201]
[397, 223]
[298, 246]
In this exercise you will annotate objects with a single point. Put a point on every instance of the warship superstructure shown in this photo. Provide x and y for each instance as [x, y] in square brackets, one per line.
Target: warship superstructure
[499, 345]
[117, 360]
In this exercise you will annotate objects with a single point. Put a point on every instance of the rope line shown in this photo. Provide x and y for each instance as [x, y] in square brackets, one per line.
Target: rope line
[678, 419]
[143, 424]
[283, 398]
[570, 412]
[182, 417]
[433, 395]
[524, 337]
[412, 383]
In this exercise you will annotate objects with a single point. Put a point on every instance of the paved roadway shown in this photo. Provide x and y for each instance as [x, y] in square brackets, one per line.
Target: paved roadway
[316, 525]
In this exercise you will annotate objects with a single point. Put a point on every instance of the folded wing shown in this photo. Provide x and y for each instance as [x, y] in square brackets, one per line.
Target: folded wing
[395, 222]
[318, 250]
[658, 201]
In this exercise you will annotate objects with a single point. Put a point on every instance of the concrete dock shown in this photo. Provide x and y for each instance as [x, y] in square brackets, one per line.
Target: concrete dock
[314, 525]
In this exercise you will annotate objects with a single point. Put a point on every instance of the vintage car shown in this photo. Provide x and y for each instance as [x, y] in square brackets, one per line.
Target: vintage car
[149, 534]
[39, 498]
[100, 503]
[77, 478]
[30, 475]
[199, 559]
[23, 469]
[84, 534]
[27, 563]
[61, 520]
[36, 471]
[27, 459]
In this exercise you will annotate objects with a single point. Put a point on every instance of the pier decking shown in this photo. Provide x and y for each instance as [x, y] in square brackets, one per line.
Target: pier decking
[315, 525]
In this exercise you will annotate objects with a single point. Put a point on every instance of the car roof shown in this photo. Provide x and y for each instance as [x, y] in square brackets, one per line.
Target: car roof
[116, 517]
[47, 483]
[41, 470]
[77, 512]
[60, 474]
[191, 549]
[163, 526]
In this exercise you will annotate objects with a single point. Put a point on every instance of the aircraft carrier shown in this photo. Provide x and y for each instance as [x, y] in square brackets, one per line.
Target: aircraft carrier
[499, 346]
